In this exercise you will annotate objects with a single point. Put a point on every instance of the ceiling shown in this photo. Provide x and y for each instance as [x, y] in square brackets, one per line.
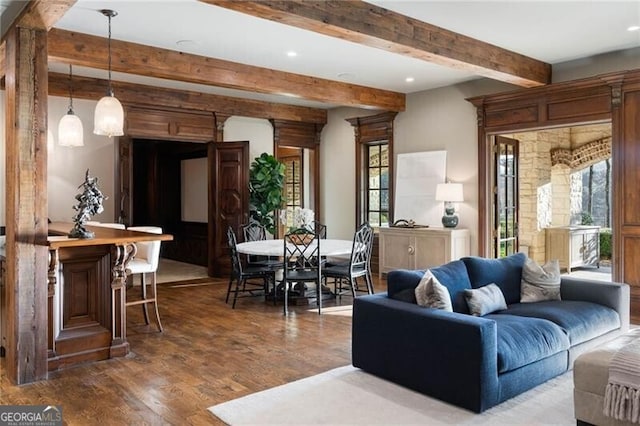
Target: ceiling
[549, 31]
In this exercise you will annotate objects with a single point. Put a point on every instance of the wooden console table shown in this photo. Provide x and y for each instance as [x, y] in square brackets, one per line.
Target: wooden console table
[87, 293]
[420, 248]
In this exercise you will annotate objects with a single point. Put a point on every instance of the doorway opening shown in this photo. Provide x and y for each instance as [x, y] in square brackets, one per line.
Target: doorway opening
[552, 197]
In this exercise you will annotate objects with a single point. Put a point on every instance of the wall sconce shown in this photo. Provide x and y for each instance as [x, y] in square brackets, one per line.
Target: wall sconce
[70, 131]
[108, 119]
[449, 193]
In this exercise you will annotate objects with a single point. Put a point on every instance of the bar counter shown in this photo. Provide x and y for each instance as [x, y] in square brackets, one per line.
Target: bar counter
[87, 293]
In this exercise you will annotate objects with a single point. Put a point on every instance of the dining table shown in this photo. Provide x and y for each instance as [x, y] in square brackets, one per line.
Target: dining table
[275, 248]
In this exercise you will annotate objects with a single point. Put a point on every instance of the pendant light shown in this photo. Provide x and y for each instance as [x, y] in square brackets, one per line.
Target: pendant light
[70, 131]
[108, 119]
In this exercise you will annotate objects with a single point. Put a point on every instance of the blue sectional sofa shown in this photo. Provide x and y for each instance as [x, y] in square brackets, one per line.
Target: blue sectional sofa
[477, 362]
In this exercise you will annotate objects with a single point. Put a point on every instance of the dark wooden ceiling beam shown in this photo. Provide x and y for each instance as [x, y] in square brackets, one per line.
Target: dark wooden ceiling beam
[131, 58]
[137, 94]
[373, 26]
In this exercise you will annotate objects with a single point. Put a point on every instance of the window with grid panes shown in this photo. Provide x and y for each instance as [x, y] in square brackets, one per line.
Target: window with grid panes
[377, 179]
[292, 186]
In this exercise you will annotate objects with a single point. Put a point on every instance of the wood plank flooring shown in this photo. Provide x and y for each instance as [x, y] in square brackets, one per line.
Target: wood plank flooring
[207, 354]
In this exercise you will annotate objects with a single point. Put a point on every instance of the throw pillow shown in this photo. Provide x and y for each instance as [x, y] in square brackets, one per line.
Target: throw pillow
[484, 300]
[540, 282]
[432, 294]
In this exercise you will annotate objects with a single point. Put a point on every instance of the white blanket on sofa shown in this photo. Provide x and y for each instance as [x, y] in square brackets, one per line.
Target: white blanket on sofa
[622, 396]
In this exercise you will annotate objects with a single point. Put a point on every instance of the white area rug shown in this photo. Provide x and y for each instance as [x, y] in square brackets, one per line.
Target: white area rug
[349, 396]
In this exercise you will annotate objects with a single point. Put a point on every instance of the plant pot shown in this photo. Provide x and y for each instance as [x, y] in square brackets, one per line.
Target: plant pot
[301, 239]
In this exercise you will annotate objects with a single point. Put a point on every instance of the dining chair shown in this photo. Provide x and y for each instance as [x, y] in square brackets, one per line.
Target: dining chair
[359, 264]
[320, 229]
[302, 264]
[244, 275]
[145, 262]
[254, 231]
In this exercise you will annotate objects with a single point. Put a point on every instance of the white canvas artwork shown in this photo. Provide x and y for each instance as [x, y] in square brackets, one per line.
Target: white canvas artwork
[417, 175]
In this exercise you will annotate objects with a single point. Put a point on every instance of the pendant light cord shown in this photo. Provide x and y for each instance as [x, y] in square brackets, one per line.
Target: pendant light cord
[110, 88]
[70, 90]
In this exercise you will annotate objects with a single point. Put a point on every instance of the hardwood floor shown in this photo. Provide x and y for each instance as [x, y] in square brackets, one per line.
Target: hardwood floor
[207, 354]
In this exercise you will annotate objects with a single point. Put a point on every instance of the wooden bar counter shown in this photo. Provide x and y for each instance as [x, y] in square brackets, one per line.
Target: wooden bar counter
[87, 293]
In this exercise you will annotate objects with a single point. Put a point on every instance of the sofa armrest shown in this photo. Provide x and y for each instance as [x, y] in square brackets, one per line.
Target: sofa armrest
[612, 294]
[447, 355]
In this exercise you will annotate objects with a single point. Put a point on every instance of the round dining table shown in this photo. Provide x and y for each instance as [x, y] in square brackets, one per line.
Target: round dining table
[275, 248]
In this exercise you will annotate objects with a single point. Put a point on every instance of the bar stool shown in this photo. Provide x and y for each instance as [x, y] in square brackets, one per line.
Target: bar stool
[146, 262]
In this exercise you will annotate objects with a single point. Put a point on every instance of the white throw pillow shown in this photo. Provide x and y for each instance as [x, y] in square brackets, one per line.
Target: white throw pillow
[432, 294]
[540, 282]
[484, 300]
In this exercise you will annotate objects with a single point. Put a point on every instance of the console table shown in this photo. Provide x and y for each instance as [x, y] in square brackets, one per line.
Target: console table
[573, 246]
[421, 248]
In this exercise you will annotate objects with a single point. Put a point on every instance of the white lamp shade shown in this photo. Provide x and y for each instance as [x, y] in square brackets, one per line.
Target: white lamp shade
[70, 131]
[108, 119]
[451, 192]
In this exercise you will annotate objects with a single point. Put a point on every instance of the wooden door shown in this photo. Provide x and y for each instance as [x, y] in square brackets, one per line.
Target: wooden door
[228, 199]
[123, 201]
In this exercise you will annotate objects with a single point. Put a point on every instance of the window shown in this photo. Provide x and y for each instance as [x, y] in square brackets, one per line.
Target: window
[376, 205]
[292, 185]
[374, 168]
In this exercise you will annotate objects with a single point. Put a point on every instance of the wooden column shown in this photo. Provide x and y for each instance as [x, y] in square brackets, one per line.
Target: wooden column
[26, 199]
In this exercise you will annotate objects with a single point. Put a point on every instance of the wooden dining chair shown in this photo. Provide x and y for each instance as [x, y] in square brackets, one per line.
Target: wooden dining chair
[359, 265]
[249, 279]
[302, 264]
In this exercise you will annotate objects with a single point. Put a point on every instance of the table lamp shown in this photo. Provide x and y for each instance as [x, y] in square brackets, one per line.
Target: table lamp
[449, 193]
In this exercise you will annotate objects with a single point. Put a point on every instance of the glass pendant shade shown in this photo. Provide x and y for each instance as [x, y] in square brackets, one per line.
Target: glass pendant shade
[70, 131]
[108, 119]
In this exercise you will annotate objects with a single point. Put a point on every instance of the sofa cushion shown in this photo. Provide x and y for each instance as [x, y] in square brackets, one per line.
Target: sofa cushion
[540, 282]
[401, 284]
[581, 321]
[484, 300]
[454, 277]
[431, 294]
[523, 340]
[506, 273]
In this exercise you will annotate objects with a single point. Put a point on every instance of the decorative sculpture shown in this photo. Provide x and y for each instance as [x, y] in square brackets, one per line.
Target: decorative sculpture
[89, 203]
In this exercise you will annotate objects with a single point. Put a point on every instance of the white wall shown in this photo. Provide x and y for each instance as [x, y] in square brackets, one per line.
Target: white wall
[194, 190]
[337, 172]
[600, 64]
[258, 131]
[434, 120]
[67, 165]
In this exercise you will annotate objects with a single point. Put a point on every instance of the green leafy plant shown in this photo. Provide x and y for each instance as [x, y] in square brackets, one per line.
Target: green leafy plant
[586, 218]
[266, 195]
[605, 243]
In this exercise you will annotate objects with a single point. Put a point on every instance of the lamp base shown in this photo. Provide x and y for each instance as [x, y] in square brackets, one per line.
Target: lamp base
[450, 221]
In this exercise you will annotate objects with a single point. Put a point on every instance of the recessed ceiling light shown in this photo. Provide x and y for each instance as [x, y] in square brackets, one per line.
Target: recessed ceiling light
[634, 28]
[186, 43]
[292, 54]
[409, 79]
[346, 76]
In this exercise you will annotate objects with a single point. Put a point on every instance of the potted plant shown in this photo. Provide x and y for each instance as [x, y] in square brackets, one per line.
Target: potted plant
[266, 185]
